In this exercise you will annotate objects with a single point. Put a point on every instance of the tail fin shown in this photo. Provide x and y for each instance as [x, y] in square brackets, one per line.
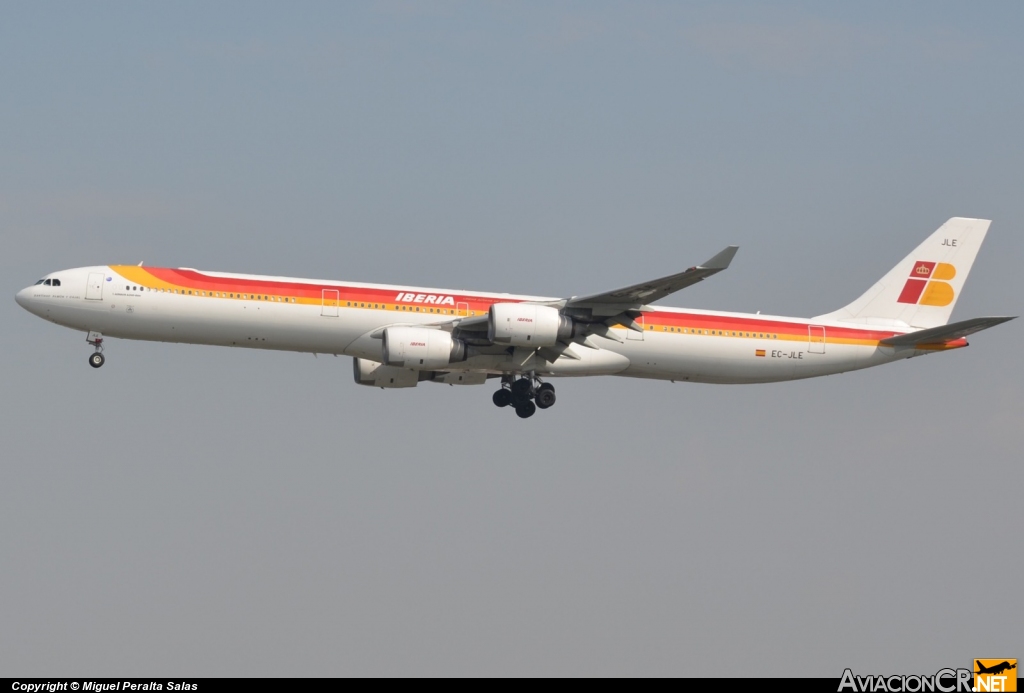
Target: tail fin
[922, 290]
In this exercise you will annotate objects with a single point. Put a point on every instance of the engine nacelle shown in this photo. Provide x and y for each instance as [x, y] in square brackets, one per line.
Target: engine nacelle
[420, 348]
[375, 374]
[527, 325]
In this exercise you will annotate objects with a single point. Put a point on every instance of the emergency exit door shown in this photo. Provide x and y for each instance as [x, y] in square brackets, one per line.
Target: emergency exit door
[633, 334]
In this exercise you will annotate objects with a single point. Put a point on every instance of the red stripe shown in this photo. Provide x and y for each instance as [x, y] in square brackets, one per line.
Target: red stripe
[191, 279]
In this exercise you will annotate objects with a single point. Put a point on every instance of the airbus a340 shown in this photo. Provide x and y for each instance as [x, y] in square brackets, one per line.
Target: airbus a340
[399, 336]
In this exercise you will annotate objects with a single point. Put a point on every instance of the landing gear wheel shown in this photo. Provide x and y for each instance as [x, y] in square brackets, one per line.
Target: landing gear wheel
[518, 399]
[545, 397]
[522, 387]
[526, 410]
[502, 398]
[97, 360]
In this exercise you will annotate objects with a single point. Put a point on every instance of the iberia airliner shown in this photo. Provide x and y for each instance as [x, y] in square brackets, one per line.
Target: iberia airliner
[399, 336]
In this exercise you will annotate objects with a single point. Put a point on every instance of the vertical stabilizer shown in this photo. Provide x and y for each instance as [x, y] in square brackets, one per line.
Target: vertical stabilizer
[922, 290]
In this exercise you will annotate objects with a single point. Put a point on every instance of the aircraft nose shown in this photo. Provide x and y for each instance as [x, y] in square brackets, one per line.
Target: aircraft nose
[22, 298]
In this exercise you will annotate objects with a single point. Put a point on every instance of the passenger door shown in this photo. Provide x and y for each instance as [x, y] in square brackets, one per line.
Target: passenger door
[331, 301]
[94, 286]
[816, 339]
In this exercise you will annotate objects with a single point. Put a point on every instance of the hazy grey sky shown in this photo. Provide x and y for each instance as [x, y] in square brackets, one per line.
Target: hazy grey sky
[199, 511]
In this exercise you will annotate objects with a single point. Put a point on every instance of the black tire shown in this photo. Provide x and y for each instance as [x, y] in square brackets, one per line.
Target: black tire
[518, 399]
[545, 397]
[521, 386]
[96, 360]
[525, 411]
[547, 386]
[502, 398]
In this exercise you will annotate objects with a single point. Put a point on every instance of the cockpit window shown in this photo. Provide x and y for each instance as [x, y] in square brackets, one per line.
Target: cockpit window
[46, 283]
[56, 282]
[39, 282]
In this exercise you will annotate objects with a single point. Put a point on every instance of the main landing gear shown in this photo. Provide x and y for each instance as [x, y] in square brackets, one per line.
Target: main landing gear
[526, 395]
[96, 359]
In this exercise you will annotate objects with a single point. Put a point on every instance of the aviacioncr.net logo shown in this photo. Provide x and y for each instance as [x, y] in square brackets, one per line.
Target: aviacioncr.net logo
[942, 681]
[995, 675]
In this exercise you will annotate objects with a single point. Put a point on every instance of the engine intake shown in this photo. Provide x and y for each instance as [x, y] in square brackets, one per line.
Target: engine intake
[527, 325]
[420, 348]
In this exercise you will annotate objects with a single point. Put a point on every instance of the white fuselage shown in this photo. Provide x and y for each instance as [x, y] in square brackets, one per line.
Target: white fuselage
[328, 317]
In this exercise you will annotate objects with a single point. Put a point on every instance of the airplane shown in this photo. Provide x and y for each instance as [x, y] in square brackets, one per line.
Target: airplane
[995, 669]
[400, 336]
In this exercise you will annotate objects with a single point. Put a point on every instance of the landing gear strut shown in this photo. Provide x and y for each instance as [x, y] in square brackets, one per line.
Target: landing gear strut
[525, 394]
[96, 359]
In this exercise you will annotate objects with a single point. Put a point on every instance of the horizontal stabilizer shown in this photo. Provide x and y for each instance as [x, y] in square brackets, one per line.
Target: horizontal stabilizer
[945, 333]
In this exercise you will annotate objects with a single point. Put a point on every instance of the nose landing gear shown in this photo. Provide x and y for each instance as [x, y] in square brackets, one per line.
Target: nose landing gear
[525, 394]
[96, 359]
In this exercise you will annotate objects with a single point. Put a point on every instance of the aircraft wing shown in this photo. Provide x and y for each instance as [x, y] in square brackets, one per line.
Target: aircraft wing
[945, 333]
[651, 291]
[599, 312]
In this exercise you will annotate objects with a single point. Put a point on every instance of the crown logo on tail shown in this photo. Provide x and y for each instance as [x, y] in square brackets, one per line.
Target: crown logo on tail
[927, 285]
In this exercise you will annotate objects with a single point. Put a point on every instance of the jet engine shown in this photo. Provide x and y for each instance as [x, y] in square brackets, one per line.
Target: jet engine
[375, 374]
[527, 325]
[420, 348]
